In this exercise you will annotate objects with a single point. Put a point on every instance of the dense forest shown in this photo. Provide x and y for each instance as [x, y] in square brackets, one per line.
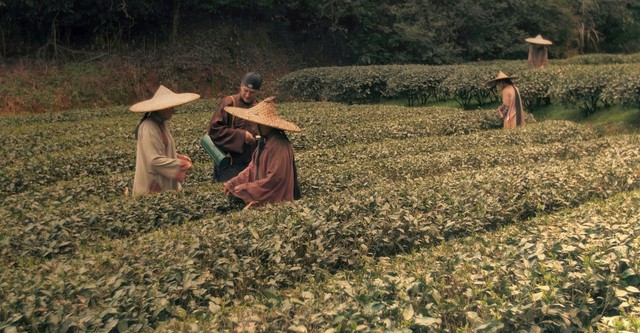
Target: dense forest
[348, 32]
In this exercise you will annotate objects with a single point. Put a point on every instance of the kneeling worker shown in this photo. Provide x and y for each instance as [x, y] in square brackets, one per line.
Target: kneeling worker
[271, 176]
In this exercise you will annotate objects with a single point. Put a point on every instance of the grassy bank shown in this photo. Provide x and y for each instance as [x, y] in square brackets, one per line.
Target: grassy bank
[611, 121]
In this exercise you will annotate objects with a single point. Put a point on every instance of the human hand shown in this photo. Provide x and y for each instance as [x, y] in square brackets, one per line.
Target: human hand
[250, 205]
[184, 157]
[225, 188]
[503, 110]
[186, 165]
[248, 138]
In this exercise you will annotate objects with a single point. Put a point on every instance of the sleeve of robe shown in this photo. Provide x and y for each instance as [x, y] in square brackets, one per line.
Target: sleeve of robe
[229, 139]
[276, 176]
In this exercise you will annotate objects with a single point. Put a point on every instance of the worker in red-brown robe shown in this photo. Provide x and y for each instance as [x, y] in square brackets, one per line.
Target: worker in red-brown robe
[235, 136]
[271, 177]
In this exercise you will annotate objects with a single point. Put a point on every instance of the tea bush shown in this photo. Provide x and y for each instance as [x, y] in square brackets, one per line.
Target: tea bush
[593, 82]
[570, 271]
[378, 182]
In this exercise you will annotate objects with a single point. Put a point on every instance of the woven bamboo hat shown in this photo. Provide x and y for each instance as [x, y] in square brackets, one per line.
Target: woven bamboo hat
[163, 99]
[502, 76]
[538, 40]
[263, 113]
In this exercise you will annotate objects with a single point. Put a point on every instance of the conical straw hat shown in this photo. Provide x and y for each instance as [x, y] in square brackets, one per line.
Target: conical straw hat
[163, 99]
[263, 113]
[502, 76]
[538, 40]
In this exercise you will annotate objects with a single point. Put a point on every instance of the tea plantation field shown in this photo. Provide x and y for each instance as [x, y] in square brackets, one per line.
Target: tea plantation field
[412, 219]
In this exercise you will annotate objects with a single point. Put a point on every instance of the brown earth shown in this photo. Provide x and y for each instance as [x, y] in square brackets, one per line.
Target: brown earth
[209, 62]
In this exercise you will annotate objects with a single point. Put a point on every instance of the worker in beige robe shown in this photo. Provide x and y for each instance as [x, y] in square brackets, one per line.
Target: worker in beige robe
[538, 53]
[271, 176]
[511, 110]
[158, 167]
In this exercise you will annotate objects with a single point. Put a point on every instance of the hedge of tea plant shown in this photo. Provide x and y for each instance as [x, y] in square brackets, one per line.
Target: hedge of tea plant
[193, 268]
[467, 85]
[88, 150]
[378, 181]
[592, 83]
[63, 230]
[417, 83]
[343, 84]
[602, 59]
[576, 270]
[198, 266]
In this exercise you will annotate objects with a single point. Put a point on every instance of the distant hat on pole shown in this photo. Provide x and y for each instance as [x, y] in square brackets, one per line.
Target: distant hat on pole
[538, 40]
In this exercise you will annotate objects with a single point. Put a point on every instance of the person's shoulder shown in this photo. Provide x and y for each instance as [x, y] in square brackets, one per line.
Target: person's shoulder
[227, 100]
[149, 125]
[280, 139]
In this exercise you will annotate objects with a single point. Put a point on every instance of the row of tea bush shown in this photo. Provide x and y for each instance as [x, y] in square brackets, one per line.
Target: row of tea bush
[378, 181]
[589, 86]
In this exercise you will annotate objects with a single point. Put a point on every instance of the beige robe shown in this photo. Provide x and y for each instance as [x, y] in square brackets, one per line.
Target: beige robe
[156, 163]
[513, 102]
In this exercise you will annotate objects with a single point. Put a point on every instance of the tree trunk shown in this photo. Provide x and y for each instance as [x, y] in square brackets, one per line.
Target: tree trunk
[175, 21]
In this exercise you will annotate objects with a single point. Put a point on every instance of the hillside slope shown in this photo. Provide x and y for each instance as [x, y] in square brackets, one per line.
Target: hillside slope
[210, 62]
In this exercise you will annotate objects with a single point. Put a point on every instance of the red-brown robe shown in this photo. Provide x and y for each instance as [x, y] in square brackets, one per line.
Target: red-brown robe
[271, 176]
[230, 136]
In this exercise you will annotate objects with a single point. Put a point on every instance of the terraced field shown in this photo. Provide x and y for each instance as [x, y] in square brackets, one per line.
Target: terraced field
[412, 219]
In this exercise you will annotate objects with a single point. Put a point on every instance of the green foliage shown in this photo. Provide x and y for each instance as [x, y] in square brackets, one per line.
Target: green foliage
[584, 86]
[378, 181]
[362, 32]
[602, 59]
[626, 90]
[590, 87]
[305, 84]
[357, 84]
[467, 85]
[416, 83]
[574, 270]
[535, 87]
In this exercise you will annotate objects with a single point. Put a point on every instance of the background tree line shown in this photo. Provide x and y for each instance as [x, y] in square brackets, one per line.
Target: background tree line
[348, 31]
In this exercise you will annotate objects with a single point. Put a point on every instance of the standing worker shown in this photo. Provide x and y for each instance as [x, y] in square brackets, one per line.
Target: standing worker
[511, 109]
[158, 167]
[235, 136]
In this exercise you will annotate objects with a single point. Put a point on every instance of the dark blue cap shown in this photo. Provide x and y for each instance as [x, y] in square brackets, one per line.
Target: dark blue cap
[252, 80]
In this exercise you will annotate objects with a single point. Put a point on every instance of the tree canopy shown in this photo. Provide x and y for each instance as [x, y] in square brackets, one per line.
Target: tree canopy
[355, 31]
